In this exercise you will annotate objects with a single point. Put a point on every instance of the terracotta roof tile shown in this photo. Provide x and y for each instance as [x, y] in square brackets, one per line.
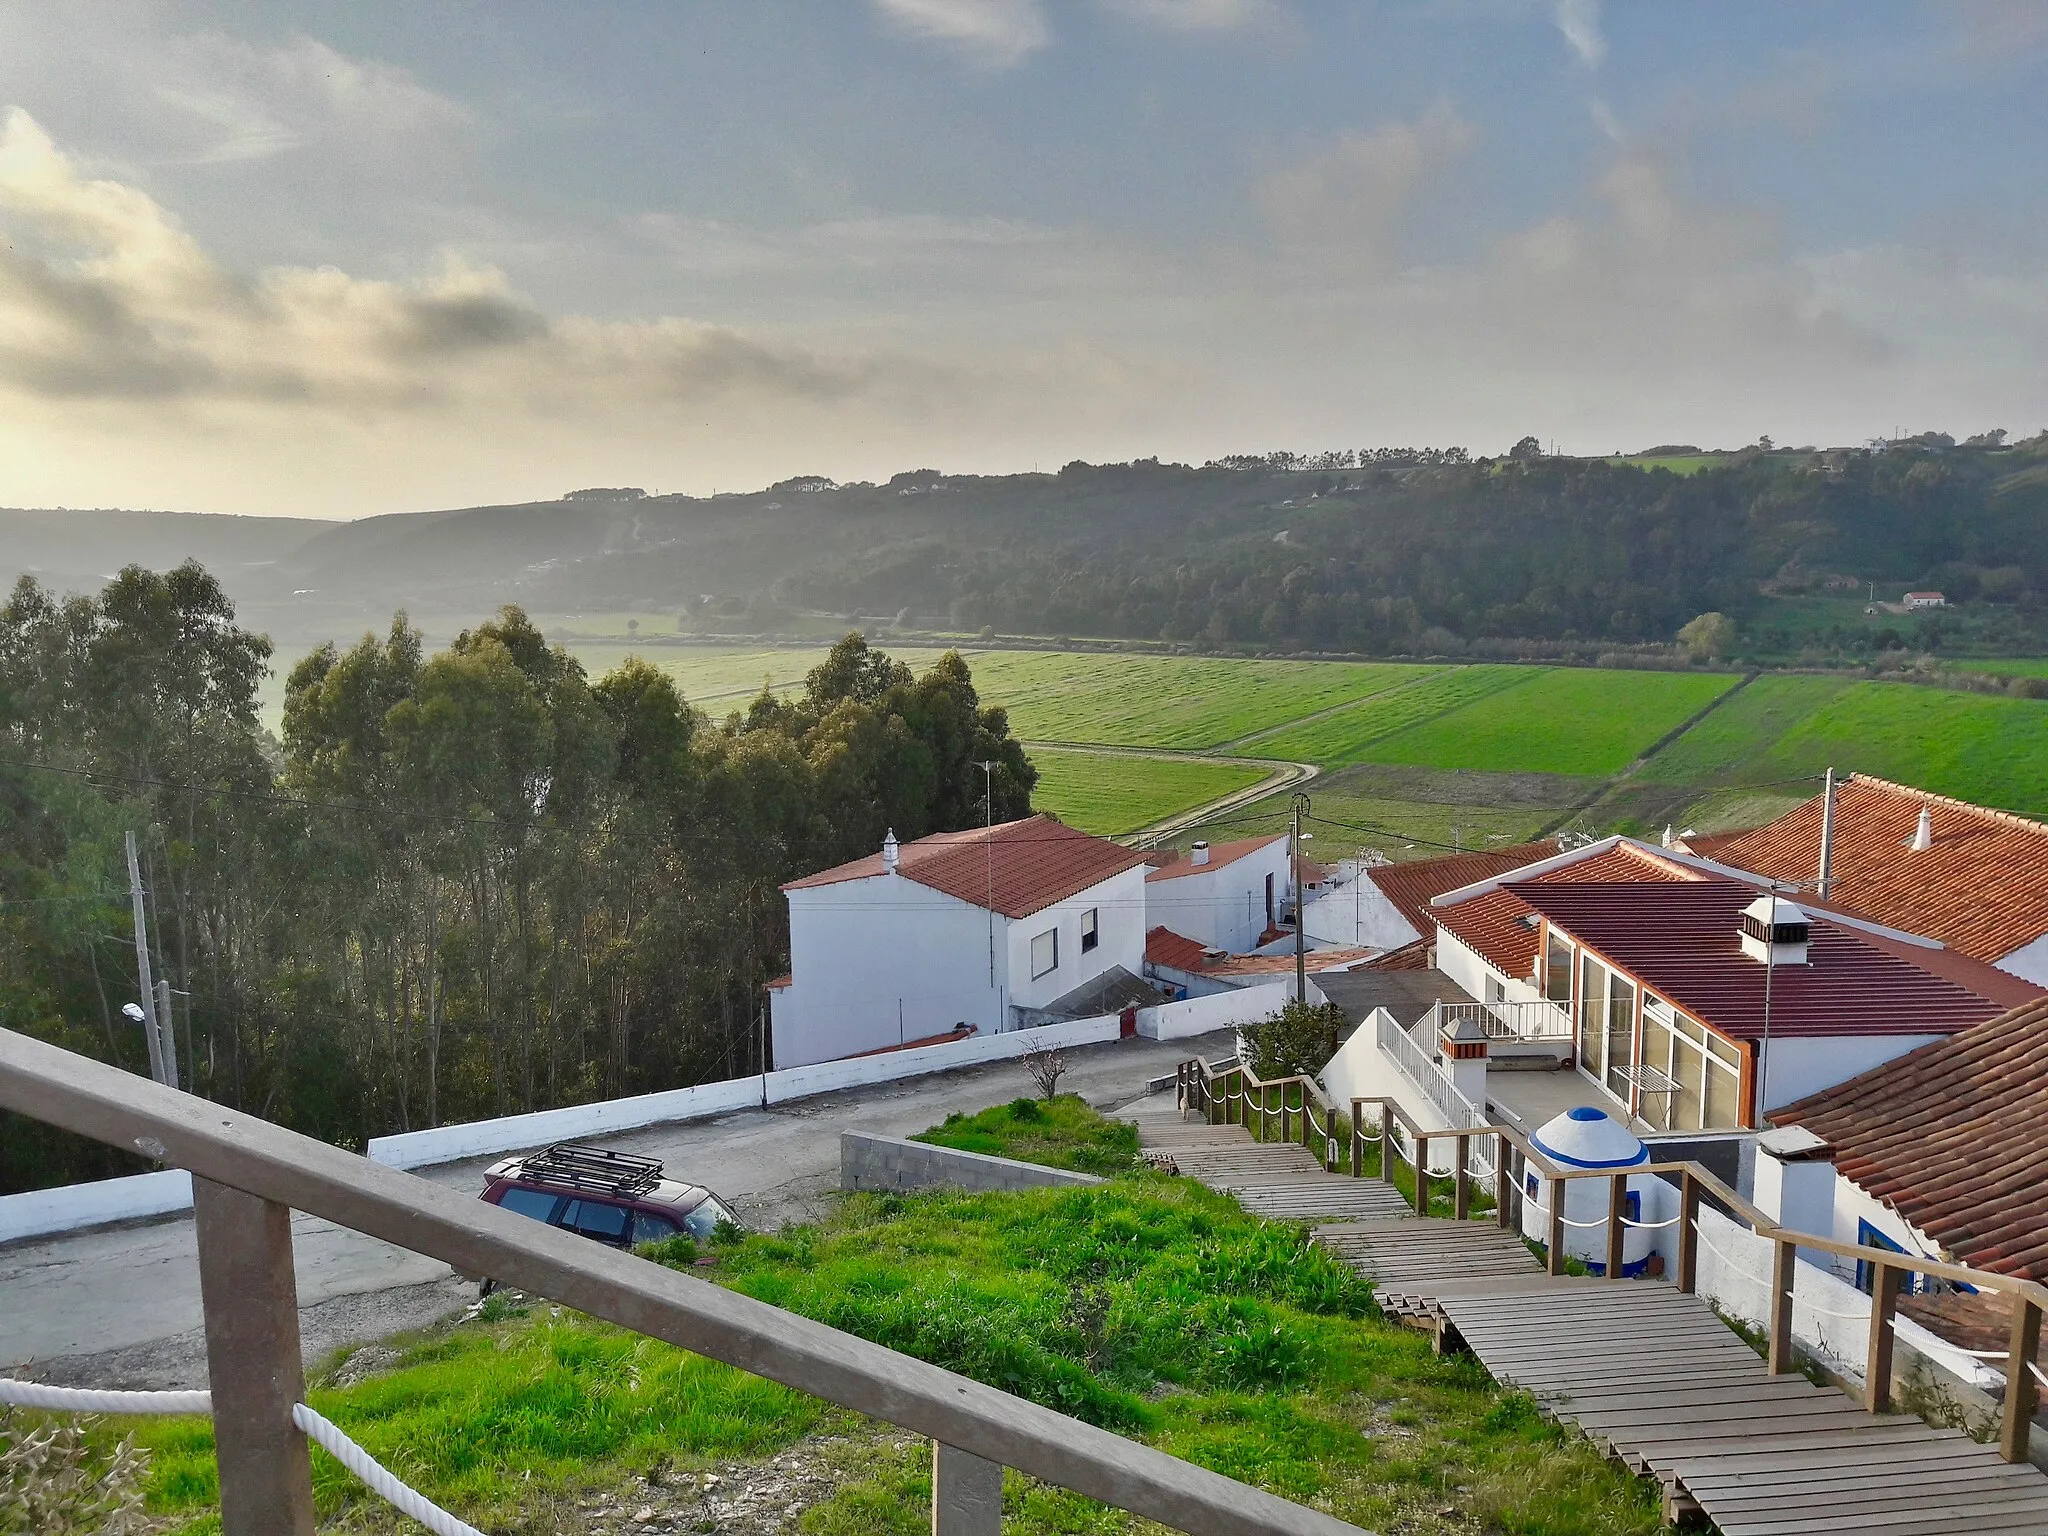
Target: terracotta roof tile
[1504, 928]
[1981, 887]
[1220, 855]
[1175, 951]
[1954, 1136]
[1410, 886]
[1028, 864]
[1409, 957]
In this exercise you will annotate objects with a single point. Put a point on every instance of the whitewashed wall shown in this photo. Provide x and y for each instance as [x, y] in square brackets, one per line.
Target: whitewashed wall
[1357, 913]
[1804, 1064]
[1224, 905]
[1220, 1010]
[72, 1206]
[1119, 904]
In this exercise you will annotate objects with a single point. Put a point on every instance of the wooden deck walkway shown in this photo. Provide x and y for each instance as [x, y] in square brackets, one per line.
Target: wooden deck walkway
[1647, 1372]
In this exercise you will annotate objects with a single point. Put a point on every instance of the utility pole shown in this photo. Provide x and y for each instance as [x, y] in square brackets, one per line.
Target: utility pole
[1825, 875]
[163, 1064]
[988, 854]
[1294, 875]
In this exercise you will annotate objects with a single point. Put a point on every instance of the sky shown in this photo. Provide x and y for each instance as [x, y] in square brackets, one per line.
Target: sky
[316, 260]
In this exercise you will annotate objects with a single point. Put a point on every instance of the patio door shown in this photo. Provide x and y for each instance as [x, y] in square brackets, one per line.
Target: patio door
[1621, 1037]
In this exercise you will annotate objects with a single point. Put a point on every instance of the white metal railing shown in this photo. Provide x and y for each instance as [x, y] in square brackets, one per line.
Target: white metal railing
[1399, 1047]
[1537, 1020]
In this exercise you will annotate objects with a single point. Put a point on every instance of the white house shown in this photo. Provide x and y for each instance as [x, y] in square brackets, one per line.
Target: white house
[1926, 600]
[972, 928]
[1384, 906]
[1223, 896]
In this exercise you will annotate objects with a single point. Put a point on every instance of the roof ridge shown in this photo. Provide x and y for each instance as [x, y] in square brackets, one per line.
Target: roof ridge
[1987, 812]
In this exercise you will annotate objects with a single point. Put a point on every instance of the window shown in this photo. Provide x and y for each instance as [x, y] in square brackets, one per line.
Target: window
[1088, 933]
[705, 1218]
[651, 1229]
[1592, 1016]
[1045, 953]
[537, 1203]
[1657, 1108]
[1621, 1033]
[597, 1218]
[1496, 990]
[1557, 971]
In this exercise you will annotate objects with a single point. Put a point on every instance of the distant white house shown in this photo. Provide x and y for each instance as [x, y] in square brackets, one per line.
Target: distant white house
[984, 928]
[1224, 896]
[1926, 600]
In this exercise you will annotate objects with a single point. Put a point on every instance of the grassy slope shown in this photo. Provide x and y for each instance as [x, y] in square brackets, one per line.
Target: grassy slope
[1165, 701]
[1726, 745]
[1064, 1133]
[1990, 750]
[1344, 819]
[1111, 793]
[1568, 720]
[1345, 736]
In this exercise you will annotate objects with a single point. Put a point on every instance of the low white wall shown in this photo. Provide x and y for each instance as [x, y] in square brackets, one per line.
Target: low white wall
[72, 1206]
[1219, 1010]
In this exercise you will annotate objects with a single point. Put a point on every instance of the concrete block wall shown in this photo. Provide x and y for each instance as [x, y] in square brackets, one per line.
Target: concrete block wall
[890, 1163]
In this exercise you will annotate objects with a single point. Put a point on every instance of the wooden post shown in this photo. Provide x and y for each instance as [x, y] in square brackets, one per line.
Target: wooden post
[1877, 1362]
[1308, 1122]
[1387, 1144]
[251, 1302]
[967, 1493]
[1357, 1140]
[1461, 1182]
[2022, 1391]
[1421, 1175]
[1617, 1205]
[1688, 1233]
[1554, 1247]
[1784, 1255]
[1503, 1183]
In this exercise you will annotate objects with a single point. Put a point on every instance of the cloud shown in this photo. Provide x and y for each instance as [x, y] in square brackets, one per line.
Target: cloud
[1197, 15]
[996, 34]
[1352, 197]
[1605, 120]
[1579, 21]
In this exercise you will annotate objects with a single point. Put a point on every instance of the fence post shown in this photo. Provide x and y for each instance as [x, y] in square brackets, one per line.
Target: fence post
[1386, 1143]
[1617, 1204]
[1357, 1140]
[1554, 1248]
[1877, 1363]
[2021, 1392]
[1421, 1175]
[1503, 1183]
[251, 1302]
[967, 1493]
[1688, 1234]
[1461, 1183]
[1784, 1256]
[1308, 1119]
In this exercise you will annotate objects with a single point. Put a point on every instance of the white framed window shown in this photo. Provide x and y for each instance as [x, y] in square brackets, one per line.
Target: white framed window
[1045, 953]
[1089, 936]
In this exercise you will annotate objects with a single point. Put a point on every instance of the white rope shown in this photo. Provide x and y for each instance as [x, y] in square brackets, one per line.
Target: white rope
[1544, 1211]
[376, 1478]
[33, 1394]
[1651, 1226]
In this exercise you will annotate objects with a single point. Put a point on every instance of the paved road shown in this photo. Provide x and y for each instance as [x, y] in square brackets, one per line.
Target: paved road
[121, 1306]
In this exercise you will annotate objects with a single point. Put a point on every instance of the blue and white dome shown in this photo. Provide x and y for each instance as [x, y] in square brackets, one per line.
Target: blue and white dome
[1589, 1138]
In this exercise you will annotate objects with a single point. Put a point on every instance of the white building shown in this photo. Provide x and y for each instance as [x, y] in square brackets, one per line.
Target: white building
[1224, 896]
[1386, 906]
[973, 928]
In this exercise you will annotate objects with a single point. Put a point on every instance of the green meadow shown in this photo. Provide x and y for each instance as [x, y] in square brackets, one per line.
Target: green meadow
[1111, 793]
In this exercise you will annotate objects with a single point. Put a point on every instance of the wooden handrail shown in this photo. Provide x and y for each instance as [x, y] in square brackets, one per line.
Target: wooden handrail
[2029, 1298]
[241, 1152]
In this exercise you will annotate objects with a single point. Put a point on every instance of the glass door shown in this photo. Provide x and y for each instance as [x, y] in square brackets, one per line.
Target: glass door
[1621, 1036]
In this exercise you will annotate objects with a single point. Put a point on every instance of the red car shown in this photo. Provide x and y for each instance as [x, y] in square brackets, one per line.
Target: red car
[611, 1197]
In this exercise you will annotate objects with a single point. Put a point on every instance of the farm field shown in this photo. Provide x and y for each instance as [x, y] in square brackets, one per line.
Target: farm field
[1346, 735]
[1567, 720]
[1187, 702]
[1343, 821]
[2005, 666]
[1111, 793]
[1727, 742]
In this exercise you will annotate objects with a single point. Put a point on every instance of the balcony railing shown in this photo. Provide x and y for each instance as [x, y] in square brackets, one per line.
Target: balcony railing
[1538, 1020]
[249, 1176]
[1420, 1068]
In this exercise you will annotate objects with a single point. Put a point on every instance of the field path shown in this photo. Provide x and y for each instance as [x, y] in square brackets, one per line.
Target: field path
[1279, 776]
[1423, 675]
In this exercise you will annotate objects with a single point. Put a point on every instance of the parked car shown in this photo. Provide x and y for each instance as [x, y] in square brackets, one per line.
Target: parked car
[609, 1197]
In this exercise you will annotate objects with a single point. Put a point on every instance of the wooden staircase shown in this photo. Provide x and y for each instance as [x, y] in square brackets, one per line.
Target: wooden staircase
[1648, 1372]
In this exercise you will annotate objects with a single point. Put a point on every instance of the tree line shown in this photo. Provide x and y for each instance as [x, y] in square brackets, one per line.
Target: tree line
[459, 884]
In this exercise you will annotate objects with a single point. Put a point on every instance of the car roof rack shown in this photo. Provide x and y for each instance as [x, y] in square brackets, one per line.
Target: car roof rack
[592, 1168]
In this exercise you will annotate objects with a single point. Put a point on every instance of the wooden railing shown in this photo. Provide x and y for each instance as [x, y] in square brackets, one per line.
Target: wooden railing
[249, 1175]
[1233, 1094]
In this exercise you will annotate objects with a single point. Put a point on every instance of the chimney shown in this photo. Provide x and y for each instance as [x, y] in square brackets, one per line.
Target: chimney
[1670, 837]
[889, 851]
[1462, 1048]
[1198, 852]
[1824, 875]
[1775, 932]
[1923, 835]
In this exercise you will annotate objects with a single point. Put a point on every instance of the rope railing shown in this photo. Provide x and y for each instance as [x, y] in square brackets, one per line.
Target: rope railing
[323, 1433]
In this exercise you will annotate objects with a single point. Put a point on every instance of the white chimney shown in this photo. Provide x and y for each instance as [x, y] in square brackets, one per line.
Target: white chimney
[1923, 835]
[1198, 852]
[1775, 932]
[1670, 837]
[889, 851]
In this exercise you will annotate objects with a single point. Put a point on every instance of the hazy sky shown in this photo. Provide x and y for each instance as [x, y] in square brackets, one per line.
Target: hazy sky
[333, 260]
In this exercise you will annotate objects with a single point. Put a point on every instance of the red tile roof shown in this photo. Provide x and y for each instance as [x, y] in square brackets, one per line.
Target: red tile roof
[1981, 887]
[1220, 854]
[1409, 957]
[1174, 951]
[1954, 1136]
[1503, 927]
[1177, 952]
[1028, 864]
[1684, 940]
[1410, 886]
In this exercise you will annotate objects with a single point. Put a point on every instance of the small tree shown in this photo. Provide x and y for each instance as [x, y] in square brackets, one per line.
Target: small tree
[1047, 1064]
[1527, 449]
[1301, 1037]
[1708, 637]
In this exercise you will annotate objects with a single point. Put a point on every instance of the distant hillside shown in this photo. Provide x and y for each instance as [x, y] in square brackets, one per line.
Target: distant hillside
[1399, 553]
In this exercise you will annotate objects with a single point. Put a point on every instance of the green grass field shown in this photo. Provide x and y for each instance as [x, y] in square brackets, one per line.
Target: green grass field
[1111, 793]
[1726, 745]
[1190, 702]
[1343, 821]
[2005, 666]
[1346, 736]
[1567, 720]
